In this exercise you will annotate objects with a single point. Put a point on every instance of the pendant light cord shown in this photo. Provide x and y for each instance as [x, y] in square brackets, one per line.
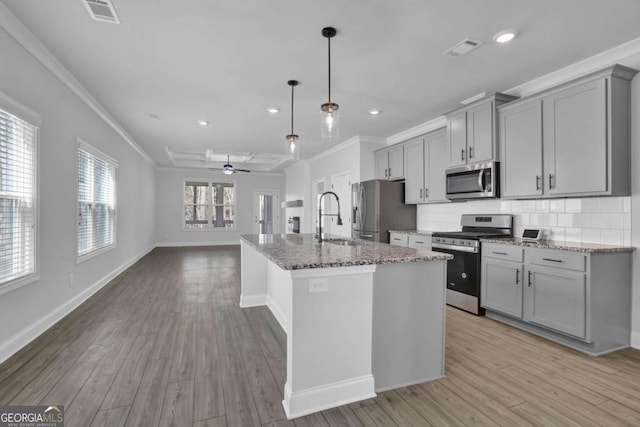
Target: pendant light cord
[329, 62]
[292, 86]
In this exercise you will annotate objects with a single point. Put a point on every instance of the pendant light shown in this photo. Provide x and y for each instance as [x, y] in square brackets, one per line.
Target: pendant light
[292, 137]
[329, 115]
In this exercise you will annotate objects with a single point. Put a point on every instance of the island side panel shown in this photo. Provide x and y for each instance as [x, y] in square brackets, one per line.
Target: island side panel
[329, 340]
[279, 296]
[253, 280]
[408, 323]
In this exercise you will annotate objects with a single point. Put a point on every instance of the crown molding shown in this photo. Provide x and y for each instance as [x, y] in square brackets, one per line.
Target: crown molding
[421, 129]
[622, 54]
[345, 144]
[21, 34]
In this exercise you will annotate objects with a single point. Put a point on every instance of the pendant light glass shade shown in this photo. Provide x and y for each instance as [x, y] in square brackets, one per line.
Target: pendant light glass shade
[329, 113]
[292, 138]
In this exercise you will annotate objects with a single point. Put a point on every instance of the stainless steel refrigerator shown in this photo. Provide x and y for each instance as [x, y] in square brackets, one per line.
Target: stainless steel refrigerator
[378, 206]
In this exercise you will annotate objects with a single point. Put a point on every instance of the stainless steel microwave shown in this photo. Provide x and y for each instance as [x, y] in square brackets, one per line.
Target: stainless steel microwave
[476, 181]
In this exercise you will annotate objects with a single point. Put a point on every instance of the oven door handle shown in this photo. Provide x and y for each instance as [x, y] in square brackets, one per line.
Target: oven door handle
[454, 248]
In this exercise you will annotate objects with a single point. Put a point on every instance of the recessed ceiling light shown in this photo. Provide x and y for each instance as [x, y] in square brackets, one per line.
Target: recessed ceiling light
[203, 122]
[505, 36]
[374, 112]
[273, 110]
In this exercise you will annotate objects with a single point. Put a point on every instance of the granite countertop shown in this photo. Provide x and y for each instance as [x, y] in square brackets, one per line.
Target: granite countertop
[300, 251]
[414, 232]
[567, 246]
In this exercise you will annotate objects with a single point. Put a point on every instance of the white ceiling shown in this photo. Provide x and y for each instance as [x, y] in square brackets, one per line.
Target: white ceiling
[226, 62]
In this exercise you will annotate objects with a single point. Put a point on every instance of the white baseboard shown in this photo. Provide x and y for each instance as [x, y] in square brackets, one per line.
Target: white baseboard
[304, 402]
[33, 331]
[635, 340]
[184, 244]
[279, 314]
[253, 300]
[408, 384]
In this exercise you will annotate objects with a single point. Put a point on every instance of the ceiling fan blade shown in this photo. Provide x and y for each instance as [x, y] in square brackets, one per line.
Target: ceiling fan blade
[241, 170]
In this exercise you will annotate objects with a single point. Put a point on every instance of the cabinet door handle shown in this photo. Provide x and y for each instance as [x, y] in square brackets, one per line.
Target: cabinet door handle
[386, 172]
[421, 193]
[538, 182]
[389, 172]
[499, 253]
[529, 277]
[551, 184]
[426, 193]
[470, 152]
[420, 243]
[517, 276]
[462, 154]
[552, 260]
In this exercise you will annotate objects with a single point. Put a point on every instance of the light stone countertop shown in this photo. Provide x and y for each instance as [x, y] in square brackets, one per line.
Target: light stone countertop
[566, 246]
[302, 251]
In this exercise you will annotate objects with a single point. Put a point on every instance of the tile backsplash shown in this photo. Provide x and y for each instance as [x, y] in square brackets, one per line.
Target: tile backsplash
[604, 220]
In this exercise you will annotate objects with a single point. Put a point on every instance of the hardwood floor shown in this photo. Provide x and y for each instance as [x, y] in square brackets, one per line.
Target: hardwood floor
[166, 344]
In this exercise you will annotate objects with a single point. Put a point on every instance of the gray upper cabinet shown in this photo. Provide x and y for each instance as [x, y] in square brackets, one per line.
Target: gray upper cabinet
[471, 131]
[572, 140]
[425, 163]
[389, 163]
[521, 150]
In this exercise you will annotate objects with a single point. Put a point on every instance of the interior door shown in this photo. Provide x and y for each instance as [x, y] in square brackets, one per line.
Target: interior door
[266, 212]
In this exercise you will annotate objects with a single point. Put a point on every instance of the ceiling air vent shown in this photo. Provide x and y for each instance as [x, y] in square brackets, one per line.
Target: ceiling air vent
[101, 10]
[465, 46]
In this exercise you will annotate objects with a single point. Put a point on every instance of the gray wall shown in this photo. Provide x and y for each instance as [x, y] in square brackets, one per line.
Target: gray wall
[29, 310]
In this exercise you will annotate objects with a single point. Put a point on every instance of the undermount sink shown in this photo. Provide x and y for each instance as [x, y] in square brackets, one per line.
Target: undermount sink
[343, 242]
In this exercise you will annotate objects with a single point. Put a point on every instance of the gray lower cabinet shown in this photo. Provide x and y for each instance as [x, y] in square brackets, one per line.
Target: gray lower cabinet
[575, 298]
[569, 141]
[398, 239]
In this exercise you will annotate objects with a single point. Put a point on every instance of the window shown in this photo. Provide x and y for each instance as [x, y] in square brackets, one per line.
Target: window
[96, 201]
[17, 198]
[209, 205]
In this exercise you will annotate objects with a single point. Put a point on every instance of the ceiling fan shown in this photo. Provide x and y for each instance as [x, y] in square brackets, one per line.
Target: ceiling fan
[228, 168]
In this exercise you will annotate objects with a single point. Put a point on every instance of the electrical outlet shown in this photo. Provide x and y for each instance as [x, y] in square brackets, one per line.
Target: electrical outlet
[318, 285]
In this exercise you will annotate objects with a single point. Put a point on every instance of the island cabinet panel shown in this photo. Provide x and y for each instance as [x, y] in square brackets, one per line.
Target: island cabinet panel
[578, 298]
[569, 141]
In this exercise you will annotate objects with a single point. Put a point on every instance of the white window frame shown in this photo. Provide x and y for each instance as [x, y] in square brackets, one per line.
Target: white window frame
[211, 204]
[84, 146]
[15, 108]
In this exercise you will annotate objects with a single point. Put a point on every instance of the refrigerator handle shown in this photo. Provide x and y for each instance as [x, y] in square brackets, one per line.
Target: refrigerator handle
[363, 204]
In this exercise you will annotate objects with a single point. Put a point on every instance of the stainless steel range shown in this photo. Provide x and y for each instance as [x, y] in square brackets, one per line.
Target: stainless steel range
[463, 271]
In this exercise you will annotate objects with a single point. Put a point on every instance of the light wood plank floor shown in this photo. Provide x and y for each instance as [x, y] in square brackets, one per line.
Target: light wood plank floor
[165, 344]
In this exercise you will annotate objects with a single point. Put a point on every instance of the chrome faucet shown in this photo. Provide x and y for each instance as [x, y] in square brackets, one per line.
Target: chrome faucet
[320, 214]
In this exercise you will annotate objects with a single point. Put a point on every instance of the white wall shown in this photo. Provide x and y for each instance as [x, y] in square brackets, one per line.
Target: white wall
[604, 220]
[169, 215]
[298, 187]
[29, 310]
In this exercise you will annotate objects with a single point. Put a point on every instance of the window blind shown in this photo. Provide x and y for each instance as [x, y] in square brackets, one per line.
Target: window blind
[17, 197]
[96, 201]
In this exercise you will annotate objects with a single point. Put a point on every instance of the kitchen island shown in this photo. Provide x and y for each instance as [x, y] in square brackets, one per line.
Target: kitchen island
[359, 317]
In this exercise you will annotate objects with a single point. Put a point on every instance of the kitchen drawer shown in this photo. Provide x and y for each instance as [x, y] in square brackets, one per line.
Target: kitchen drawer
[398, 239]
[420, 241]
[506, 252]
[558, 259]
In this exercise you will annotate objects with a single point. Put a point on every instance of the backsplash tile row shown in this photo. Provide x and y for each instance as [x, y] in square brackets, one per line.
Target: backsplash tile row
[604, 220]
